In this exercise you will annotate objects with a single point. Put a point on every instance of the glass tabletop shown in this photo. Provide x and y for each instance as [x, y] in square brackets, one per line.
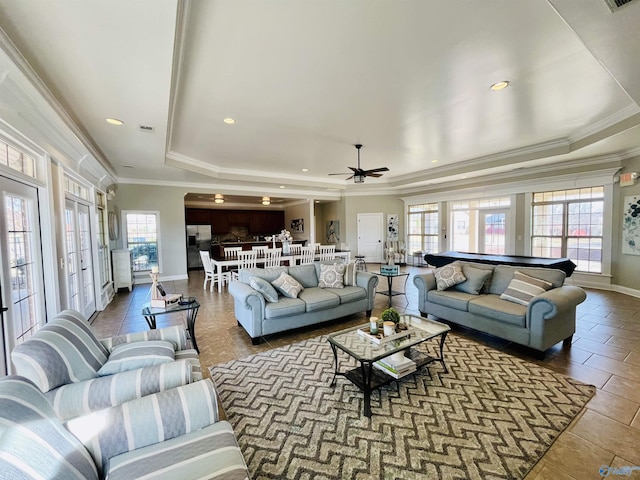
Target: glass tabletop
[363, 349]
[390, 274]
[186, 303]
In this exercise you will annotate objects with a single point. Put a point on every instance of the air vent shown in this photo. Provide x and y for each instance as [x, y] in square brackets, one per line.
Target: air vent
[615, 5]
[146, 128]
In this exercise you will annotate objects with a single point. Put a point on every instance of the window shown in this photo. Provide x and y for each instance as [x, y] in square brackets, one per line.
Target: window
[17, 160]
[142, 239]
[569, 223]
[480, 226]
[422, 231]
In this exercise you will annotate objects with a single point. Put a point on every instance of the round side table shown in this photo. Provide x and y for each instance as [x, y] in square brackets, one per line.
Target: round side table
[360, 264]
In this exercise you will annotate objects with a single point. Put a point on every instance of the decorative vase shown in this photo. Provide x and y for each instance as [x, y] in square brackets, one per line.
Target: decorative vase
[285, 247]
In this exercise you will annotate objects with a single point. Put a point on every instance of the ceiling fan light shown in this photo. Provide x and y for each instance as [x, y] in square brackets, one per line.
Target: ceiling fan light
[358, 179]
[218, 198]
[266, 201]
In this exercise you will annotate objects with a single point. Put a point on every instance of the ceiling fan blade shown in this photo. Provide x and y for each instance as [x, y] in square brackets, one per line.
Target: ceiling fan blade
[374, 170]
[375, 175]
[344, 173]
[349, 178]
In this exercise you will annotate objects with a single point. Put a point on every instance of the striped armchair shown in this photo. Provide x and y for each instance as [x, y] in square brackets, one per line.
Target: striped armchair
[171, 434]
[79, 373]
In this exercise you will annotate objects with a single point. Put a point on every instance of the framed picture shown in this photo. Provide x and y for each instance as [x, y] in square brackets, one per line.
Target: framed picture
[393, 230]
[112, 225]
[631, 225]
[297, 225]
[333, 231]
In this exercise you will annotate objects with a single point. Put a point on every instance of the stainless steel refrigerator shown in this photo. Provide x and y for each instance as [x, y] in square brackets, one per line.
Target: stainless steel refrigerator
[198, 238]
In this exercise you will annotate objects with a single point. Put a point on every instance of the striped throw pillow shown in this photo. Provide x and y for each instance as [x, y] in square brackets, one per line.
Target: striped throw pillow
[132, 356]
[523, 288]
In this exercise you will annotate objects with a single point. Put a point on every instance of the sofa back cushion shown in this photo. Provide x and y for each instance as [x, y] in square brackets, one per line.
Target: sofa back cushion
[35, 443]
[64, 351]
[503, 274]
[306, 275]
[268, 274]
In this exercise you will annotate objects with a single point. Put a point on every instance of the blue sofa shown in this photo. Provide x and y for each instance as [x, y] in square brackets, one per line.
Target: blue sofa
[549, 317]
[313, 305]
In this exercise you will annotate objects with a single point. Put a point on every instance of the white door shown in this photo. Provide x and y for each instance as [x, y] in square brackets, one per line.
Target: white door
[21, 282]
[79, 265]
[370, 231]
[492, 228]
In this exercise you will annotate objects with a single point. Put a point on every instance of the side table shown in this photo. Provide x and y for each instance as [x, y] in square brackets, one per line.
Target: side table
[189, 305]
[393, 293]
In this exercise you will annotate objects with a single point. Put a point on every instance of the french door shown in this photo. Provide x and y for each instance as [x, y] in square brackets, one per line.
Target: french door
[79, 264]
[22, 293]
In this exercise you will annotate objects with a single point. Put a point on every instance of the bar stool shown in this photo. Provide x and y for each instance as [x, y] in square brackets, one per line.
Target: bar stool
[360, 264]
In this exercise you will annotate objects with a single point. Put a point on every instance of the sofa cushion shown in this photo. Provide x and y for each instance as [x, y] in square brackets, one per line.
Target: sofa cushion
[523, 288]
[475, 279]
[332, 276]
[211, 452]
[268, 274]
[450, 298]
[35, 444]
[132, 356]
[287, 285]
[284, 307]
[319, 299]
[448, 276]
[64, 351]
[265, 288]
[305, 274]
[349, 294]
[503, 274]
[491, 306]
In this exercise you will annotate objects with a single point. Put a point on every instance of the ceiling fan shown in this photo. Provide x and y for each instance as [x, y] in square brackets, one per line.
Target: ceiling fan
[358, 173]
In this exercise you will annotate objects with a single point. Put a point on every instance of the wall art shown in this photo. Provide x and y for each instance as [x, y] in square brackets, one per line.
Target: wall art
[631, 225]
[393, 230]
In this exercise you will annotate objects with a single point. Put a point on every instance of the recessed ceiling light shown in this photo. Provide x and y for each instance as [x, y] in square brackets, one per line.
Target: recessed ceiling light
[499, 85]
[305, 169]
[281, 186]
[229, 121]
[434, 161]
[115, 121]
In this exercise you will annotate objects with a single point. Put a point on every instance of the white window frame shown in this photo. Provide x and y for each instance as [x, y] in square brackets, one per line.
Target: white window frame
[125, 235]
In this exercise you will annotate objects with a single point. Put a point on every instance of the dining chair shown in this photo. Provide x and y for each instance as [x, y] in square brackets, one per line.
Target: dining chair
[307, 255]
[231, 253]
[260, 249]
[209, 272]
[272, 257]
[327, 252]
[294, 248]
[246, 259]
[316, 247]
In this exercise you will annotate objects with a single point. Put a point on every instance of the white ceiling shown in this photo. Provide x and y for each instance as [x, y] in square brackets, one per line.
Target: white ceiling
[305, 80]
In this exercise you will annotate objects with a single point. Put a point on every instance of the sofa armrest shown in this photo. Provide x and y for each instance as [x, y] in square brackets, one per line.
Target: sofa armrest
[249, 307]
[146, 421]
[556, 301]
[424, 282]
[369, 282]
[176, 335]
[81, 398]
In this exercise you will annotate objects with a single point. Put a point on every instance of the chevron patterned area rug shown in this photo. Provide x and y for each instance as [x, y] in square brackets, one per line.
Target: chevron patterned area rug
[491, 417]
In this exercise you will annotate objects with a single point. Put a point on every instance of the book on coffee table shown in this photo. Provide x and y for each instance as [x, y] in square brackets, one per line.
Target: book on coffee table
[396, 369]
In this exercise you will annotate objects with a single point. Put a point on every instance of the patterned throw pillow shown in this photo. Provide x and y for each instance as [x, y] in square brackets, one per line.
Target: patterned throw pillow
[523, 288]
[448, 276]
[332, 276]
[265, 288]
[287, 285]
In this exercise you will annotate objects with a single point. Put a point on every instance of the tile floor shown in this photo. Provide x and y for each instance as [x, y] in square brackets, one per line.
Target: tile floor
[605, 353]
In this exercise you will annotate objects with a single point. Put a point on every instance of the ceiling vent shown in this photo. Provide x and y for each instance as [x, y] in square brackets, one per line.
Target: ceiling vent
[146, 128]
[615, 5]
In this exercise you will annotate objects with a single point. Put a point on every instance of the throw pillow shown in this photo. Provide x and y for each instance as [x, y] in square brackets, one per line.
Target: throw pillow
[448, 276]
[523, 288]
[132, 356]
[265, 288]
[287, 285]
[332, 276]
[475, 279]
[350, 273]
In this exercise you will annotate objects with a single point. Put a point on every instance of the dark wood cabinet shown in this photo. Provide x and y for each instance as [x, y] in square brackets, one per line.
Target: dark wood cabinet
[258, 222]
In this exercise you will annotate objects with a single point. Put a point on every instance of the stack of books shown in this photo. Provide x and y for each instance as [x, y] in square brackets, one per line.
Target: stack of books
[394, 368]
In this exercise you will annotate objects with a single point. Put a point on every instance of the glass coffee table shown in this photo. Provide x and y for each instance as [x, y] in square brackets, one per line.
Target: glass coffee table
[189, 305]
[365, 351]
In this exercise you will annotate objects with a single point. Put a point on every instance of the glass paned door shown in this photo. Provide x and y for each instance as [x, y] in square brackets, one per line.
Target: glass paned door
[21, 261]
[493, 226]
[80, 275]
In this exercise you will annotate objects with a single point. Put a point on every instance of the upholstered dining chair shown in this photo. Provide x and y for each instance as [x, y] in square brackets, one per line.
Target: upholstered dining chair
[307, 255]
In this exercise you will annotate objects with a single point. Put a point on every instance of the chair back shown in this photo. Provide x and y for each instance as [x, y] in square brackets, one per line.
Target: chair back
[261, 249]
[307, 255]
[247, 259]
[231, 252]
[272, 257]
[316, 247]
[206, 262]
[294, 248]
[327, 252]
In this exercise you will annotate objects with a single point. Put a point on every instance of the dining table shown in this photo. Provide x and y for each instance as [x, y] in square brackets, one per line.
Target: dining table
[219, 264]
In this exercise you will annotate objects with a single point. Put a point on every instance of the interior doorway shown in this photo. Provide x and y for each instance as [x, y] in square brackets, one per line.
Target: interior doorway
[370, 232]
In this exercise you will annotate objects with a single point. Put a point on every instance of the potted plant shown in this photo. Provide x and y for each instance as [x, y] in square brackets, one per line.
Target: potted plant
[391, 315]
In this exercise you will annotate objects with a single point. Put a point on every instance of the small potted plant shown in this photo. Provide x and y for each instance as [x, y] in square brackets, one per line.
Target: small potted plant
[391, 315]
